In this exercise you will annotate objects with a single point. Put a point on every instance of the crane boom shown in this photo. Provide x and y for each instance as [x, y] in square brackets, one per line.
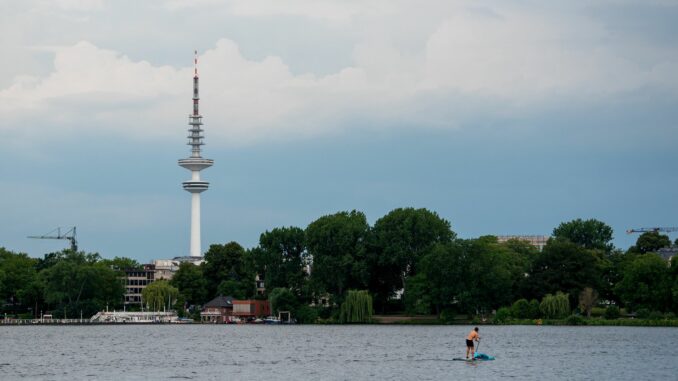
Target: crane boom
[654, 229]
[50, 235]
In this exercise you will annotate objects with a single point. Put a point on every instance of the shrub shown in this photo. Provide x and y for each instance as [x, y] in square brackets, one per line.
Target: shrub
[597, 311]
[534, 309]
[655, 315]
[575, 320]
[521, 309]
[612, 312]
[307, 315]
[503, 314]
[643, 313]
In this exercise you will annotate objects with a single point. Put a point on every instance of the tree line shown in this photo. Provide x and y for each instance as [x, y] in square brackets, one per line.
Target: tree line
[409, 261]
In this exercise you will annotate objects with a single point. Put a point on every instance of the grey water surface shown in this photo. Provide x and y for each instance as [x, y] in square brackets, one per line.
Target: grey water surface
[228, 352]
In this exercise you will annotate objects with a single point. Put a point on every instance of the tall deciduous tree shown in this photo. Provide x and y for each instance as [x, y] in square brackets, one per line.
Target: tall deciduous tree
[337, 245]
[646, 283]
[400, 239]
[159, 295]
[651, 242]
[227, 262]
[281, 258]
[590, 234]
[191, 283]
[565, 266]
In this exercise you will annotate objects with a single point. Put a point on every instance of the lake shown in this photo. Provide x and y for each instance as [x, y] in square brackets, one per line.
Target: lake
[219, 352]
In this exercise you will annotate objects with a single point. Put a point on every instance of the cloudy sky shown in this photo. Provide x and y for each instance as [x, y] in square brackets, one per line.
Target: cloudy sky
[504, 117]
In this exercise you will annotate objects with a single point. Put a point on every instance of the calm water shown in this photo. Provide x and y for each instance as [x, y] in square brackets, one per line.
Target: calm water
[334, 353]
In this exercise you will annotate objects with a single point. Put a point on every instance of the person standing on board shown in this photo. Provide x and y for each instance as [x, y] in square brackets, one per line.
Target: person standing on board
[473, 335]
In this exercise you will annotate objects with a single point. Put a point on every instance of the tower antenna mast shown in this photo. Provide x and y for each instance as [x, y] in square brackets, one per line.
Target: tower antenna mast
[195, 163]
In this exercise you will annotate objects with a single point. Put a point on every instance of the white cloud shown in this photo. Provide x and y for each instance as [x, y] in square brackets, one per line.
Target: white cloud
[519, 57]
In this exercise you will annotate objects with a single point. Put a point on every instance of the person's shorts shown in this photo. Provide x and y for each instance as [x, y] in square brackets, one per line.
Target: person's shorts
[469, 343]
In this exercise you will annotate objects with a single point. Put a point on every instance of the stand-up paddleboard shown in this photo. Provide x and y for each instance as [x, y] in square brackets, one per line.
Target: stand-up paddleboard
[476, 357]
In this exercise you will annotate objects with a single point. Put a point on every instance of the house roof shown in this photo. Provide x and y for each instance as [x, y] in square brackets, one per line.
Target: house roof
[220, 301]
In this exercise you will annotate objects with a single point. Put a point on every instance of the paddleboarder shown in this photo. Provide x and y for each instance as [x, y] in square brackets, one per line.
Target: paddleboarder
[473, 335]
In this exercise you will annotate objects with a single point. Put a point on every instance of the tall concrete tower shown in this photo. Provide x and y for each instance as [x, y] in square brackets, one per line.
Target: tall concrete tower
[195, 163]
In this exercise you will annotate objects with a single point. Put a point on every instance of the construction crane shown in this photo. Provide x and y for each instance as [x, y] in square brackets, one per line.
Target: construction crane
[655, 229]
[50, 235]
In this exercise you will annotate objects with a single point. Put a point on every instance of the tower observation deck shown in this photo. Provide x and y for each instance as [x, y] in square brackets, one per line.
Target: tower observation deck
[195, 163]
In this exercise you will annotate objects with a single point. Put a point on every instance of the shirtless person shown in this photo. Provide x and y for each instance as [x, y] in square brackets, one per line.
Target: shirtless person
[469, 342]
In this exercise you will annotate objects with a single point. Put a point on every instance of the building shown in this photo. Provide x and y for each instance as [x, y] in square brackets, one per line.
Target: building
[245, 309]
[259, 284]
[135, 282]
[667, 252]
[538, 241]
[217, 310]
[195, 163]
[165, 268]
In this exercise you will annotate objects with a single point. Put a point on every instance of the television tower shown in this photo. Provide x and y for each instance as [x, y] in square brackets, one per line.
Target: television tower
[195, 163]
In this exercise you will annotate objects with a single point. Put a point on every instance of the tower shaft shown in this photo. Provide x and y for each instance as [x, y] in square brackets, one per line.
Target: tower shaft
[195, 163]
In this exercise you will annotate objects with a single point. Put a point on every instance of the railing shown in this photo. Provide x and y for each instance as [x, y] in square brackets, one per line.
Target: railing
[43, 321]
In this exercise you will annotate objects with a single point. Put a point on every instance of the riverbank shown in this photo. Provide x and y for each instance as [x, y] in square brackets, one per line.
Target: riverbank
[570, 321]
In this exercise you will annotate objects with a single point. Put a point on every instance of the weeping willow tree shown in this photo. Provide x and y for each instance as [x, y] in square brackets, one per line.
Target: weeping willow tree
[555, 306]
[159, 294]
[357, 308]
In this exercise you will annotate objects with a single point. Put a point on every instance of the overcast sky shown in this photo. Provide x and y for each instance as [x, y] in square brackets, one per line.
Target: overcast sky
[504, 117]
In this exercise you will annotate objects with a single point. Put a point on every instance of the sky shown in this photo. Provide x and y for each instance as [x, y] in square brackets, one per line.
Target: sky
[502, 117]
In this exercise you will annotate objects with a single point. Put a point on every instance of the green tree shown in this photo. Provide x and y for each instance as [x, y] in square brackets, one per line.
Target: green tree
[337, 245]
[521, 309]
[17, 273]
[282, 299]
[78, 283]
[357, 308]
[191, 283]
[651, 242]
[281, 258]
[646, 283]
[228, 262]
[555, 306]
[565, 266]
[590, 234]
[400, 239]
[121, 264]
[159, 295]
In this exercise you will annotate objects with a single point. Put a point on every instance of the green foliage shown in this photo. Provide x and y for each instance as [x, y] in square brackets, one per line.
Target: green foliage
[307, 315]
[121, 264]
[612, 312]
[555, 306]
[337, 245]
[399, 240]
[646, 283]
[589, 234]
[575, 320]
[281, 258]
[651, 241]
[191, 283]
[282, 299]
[225, 263]
[521, 309]
[563, 266]
[503, 314]
[159, 294]
[234, 288]
[357, 308]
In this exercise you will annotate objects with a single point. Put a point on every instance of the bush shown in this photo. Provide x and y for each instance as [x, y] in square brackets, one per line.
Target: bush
[307, 315]
[534, 309]
[503, 314]
[655, 315]
[575, 320]
[612, 312]
[643, 313]
[597, 311]
[521, 309]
